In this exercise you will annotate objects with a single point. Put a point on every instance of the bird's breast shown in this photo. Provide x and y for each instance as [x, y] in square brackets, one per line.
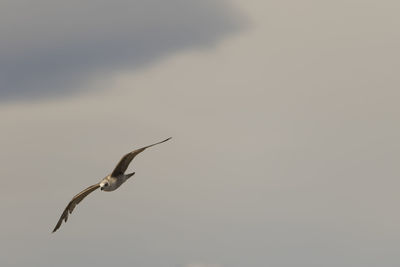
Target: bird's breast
[114, 183]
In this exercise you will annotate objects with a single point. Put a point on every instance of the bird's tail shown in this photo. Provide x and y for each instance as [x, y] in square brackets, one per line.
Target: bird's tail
[129, 175]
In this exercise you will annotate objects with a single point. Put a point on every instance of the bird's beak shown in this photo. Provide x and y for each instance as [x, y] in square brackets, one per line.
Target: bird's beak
[101, 188]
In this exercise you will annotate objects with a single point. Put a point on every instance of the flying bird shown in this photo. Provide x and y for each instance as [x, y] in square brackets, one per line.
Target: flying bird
[109, 183]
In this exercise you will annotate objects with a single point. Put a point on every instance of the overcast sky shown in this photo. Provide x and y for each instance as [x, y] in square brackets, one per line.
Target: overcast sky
[51, 48]
[284, 118]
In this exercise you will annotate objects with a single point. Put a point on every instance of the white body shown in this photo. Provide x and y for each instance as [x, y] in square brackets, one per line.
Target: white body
[111, 183]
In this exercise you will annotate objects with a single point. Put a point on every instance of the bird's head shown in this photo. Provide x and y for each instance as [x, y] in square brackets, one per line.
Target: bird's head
[104, 184]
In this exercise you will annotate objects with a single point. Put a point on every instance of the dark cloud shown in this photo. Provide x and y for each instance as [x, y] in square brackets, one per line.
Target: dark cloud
[49, 47]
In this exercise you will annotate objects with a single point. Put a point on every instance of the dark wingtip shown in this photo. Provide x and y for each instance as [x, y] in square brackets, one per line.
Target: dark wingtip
[56, 228]
[160, 142]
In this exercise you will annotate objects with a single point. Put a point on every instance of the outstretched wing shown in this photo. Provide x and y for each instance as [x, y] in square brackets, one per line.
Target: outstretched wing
[75, 201]
[125, 160]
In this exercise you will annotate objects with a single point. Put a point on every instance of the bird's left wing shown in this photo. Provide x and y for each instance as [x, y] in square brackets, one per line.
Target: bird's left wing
[126, 160]
[75, 201]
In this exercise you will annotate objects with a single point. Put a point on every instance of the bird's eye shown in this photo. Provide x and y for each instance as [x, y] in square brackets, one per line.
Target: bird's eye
[105, 185]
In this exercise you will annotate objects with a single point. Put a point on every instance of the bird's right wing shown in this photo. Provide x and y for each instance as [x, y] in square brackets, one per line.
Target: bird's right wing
[75, 201]
[125, 160]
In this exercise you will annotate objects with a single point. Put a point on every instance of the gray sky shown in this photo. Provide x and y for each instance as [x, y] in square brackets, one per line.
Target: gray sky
[50, 48]
[284, 123]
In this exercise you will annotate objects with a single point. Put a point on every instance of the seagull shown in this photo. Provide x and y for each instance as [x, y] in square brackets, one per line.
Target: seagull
[109, 183]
